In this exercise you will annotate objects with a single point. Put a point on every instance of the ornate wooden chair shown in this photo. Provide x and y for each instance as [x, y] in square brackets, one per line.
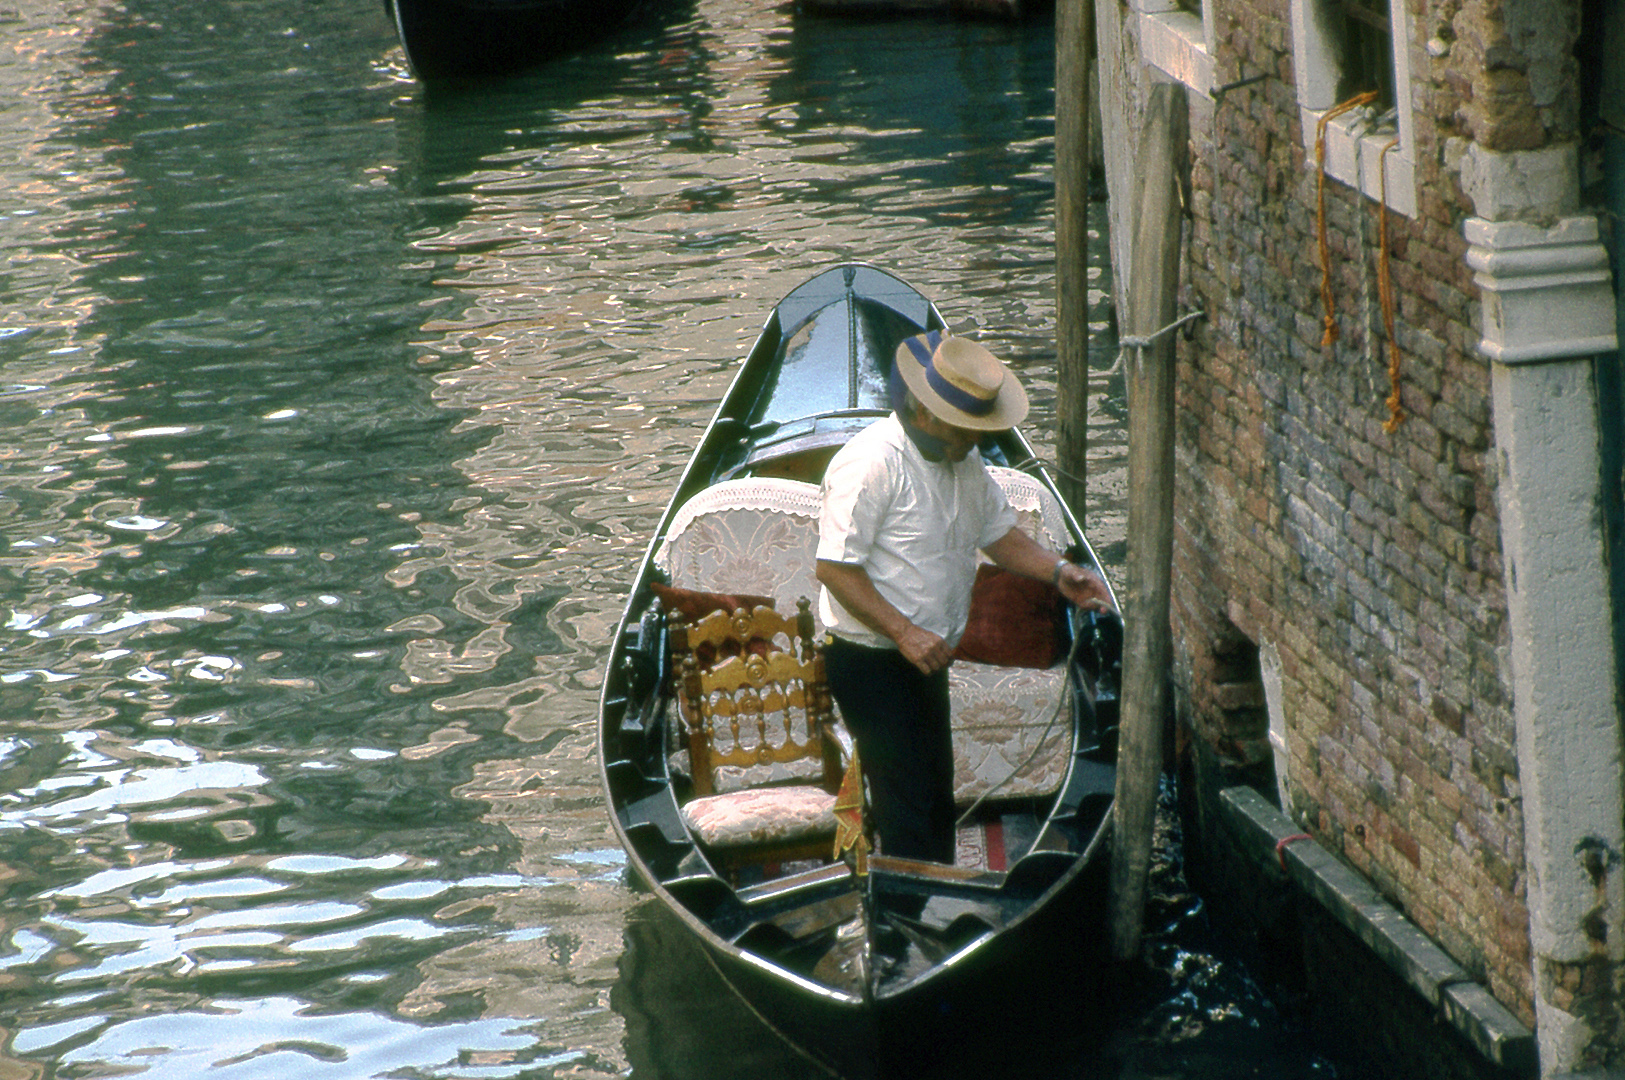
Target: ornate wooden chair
[757, 717]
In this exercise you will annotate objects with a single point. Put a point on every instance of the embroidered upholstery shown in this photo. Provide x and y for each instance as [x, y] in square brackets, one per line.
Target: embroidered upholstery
[761, 816]
[759, 535]
[1000, 717]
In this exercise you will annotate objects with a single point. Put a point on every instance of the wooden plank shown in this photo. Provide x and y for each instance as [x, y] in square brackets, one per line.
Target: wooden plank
[816, 880]
[1153, 293]
[1074, 38]
[930, 871]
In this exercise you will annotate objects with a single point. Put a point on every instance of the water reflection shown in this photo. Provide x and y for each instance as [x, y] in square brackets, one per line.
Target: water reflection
[682, 1020]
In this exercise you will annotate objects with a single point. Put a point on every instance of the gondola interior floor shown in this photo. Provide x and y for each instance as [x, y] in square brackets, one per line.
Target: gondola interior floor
[995, 843]
[990, 844]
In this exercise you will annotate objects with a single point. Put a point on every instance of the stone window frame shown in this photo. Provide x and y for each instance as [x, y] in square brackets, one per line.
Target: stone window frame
[1177, 42]
[1353, 145]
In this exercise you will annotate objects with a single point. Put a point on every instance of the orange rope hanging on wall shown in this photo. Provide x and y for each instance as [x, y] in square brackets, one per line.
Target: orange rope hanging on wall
[1385, 294]
[1330, 319]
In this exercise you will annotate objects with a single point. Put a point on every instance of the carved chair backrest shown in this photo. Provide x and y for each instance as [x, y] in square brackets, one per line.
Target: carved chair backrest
[752, 694]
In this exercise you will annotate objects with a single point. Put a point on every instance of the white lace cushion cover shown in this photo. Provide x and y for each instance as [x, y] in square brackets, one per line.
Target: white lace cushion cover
[1037, 512]
[999, 717]
[757, 535]
[761, 815]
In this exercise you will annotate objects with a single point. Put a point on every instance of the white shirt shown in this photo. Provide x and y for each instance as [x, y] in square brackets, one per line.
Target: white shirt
[913, 525]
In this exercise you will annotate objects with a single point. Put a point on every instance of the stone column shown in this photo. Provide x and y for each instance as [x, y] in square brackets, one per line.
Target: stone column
[1548, 312]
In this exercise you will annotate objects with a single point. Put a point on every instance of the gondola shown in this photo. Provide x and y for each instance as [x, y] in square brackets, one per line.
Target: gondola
[462, 39]
[874, 965]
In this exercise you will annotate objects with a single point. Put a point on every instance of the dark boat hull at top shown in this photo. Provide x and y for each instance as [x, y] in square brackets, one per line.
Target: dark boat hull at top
[877, 965]
[455, 39]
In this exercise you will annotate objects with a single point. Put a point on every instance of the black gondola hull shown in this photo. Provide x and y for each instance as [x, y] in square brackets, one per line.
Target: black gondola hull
[1023, 1005]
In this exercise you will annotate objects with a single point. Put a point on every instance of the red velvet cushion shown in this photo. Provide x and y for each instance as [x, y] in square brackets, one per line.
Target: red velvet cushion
[691, 605]
[1013, 621]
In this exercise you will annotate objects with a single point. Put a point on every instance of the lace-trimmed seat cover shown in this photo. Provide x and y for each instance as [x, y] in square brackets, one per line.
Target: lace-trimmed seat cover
[760, 535]
[755, 535]
[1001, 714]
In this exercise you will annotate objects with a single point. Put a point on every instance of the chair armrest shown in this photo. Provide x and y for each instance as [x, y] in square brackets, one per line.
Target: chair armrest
[842, 738]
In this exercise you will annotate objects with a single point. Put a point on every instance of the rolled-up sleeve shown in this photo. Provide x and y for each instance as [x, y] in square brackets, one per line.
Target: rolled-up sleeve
[855, 497]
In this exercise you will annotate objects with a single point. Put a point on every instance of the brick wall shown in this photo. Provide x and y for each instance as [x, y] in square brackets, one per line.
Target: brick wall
[1368, 560]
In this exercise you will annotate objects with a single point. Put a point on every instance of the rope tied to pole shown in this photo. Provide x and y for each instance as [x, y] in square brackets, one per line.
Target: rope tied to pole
[1385, 295]
[1131, 342]
[1329, 319]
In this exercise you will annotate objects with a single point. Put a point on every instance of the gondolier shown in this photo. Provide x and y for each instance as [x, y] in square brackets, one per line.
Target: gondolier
[907, 504]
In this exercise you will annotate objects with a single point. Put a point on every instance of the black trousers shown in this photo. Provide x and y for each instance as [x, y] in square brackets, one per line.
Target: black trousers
[899, 718]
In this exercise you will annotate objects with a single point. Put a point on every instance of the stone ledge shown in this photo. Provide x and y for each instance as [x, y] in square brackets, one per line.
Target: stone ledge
[1352, 901]
[1487, 1024]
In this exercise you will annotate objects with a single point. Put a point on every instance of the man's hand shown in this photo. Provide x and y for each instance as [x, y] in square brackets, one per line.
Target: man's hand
[1085, 588]
[924, 650]
[852, 586]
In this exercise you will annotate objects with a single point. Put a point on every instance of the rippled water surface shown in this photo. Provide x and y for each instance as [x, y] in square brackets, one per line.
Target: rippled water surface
[336, 417]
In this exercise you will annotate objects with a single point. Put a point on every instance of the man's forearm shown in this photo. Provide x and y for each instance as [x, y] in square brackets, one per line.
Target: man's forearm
[852, 587]
[1021, 554]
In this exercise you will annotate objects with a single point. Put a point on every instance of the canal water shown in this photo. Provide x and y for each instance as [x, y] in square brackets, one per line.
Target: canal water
[336, 416]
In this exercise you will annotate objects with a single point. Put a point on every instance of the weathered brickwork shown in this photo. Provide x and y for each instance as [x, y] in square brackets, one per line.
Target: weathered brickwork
[1369, 561]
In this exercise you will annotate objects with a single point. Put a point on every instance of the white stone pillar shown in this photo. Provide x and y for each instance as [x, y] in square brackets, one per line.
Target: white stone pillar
[1548, 311]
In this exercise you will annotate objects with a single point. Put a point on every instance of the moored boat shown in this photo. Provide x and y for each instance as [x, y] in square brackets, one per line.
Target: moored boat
[874, 964]
[454, 39]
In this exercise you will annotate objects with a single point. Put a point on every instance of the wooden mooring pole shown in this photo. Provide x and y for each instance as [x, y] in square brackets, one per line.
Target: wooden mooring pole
[1074, 40]
[1149, 372]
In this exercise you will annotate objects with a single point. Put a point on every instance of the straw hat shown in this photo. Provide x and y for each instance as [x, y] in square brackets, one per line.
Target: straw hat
[961, 383]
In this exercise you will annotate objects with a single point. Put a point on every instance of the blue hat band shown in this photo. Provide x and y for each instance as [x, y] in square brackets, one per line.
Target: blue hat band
[924, 349]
